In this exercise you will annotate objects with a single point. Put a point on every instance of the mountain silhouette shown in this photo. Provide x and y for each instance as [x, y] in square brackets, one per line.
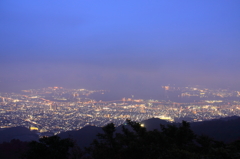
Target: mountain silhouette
[224, 129]
[21, 133]
[84, 136]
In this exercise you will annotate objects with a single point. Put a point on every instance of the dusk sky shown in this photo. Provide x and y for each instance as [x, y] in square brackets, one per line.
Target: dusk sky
[129, 46]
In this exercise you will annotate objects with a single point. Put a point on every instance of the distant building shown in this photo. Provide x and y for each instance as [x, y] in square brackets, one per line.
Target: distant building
[53, 106]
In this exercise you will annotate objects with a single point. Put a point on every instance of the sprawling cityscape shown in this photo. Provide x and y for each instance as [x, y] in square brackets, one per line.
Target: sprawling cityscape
[54, 110]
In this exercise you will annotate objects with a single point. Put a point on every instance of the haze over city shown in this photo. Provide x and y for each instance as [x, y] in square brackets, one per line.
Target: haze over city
[131, 47]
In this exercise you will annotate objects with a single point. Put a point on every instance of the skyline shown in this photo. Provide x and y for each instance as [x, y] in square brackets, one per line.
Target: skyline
[135, 46]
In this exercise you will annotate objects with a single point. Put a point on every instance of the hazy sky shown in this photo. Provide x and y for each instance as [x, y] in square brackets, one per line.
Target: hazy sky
[119, 44]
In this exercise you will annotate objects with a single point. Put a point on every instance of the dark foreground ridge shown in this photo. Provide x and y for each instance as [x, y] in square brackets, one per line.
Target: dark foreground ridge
[153, 138]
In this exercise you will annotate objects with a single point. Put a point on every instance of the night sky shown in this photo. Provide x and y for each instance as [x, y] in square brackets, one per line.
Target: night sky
[131, 46]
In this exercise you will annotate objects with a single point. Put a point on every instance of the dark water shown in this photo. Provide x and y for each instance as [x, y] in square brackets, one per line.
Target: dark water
[108, 96]
[118, 95]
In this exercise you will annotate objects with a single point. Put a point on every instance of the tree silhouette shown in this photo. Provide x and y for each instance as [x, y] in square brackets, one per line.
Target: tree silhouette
[134, 142]
[49, 148]
[173, 141]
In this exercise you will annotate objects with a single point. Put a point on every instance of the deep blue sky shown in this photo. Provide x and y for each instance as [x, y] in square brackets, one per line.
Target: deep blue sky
[129, 45]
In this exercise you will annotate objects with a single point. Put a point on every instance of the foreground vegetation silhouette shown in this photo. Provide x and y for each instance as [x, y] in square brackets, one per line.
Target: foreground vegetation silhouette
[173, 142]
[135, 142]
[49, 148]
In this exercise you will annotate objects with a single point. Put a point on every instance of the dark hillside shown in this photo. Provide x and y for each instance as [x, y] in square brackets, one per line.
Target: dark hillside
[84, 136]
[21, 133]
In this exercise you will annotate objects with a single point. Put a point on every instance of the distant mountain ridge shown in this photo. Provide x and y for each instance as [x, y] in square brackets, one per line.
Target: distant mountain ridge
[224, 129]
